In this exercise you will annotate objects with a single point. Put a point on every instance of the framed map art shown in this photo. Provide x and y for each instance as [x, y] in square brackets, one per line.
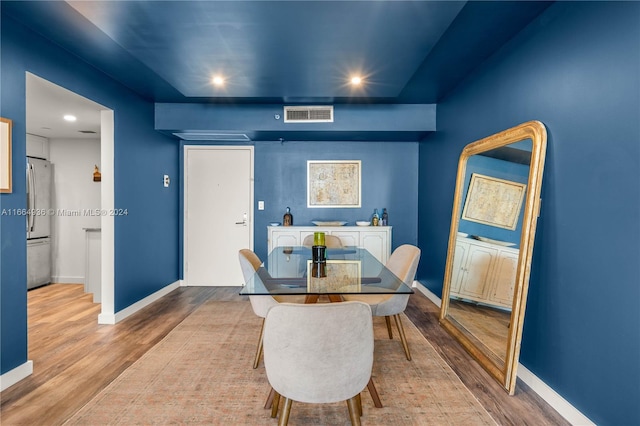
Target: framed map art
[493, 201]
[5, 155]
[333, 183]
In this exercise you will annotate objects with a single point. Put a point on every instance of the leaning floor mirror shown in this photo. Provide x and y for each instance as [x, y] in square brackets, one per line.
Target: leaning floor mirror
[495, 210]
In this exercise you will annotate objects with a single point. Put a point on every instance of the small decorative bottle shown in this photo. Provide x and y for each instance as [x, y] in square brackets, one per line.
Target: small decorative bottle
[376, 218]
[385, 217]
[287, 219]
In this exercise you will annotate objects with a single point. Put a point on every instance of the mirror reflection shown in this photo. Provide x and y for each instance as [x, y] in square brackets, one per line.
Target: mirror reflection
[487, 244]
[490, 246]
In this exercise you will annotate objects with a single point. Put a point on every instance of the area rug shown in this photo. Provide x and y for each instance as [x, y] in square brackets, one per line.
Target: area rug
[201, 373]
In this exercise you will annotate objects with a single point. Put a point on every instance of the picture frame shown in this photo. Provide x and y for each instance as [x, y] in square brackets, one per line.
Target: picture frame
[5, 155]
[334, 183]
[341, 276]
[493, 201]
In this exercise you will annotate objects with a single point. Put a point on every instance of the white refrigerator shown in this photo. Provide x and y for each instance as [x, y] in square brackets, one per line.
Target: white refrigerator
[38, 222]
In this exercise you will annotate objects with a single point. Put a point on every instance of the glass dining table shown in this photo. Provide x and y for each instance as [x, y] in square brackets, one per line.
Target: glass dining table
[347, 270]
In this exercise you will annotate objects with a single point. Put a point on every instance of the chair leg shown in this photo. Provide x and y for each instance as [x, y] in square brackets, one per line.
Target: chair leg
[256, 361]
[352, 403]
[403, 337]
[269, 402]
[359, 399]
[284, 415]
[274, 406]
[388, 321]
[374, 394]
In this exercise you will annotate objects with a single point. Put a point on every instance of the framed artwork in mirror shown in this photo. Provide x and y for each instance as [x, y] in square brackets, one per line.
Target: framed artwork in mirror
[340, 276]
[498, 276]
[493, 201]
[5, 155]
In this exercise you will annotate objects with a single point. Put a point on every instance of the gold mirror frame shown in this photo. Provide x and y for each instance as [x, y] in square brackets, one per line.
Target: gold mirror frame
[504, 372]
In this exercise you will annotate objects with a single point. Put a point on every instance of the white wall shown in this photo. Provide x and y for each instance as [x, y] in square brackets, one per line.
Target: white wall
[75, 192]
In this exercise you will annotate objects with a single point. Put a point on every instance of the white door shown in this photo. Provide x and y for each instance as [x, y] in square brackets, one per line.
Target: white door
[218, 213]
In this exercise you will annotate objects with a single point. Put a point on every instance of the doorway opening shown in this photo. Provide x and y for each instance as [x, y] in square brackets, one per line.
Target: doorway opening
[79, 151]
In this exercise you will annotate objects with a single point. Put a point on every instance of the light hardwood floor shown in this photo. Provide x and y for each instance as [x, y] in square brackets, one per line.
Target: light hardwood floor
[74, 357]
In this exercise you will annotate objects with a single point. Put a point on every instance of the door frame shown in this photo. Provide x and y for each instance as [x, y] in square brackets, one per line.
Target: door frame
[185, 197]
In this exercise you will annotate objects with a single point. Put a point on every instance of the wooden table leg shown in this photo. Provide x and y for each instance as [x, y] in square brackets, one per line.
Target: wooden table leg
[374, 393]
[311, 298]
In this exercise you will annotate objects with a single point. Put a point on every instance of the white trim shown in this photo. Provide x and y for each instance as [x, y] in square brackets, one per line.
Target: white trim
[67, 280]
[551, 397]
[132, 309]
[561, 405]
[12, 377]
[424, 290]
[107, 225]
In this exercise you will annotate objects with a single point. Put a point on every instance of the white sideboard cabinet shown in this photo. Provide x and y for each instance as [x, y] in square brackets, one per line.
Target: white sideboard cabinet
[484, 272]
[376, 239]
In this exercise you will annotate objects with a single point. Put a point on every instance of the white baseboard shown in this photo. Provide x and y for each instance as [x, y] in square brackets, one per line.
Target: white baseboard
[132, 309]
[422, 289]
[12, 377]
[67, 280]
[564, 408]
[551, 397]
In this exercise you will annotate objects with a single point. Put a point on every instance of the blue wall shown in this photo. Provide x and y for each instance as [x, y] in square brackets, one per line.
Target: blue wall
[389, 180]
[146, 241]
[576, 68]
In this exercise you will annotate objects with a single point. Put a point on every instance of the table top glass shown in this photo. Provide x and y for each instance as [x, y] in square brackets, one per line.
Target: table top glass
[348, 270]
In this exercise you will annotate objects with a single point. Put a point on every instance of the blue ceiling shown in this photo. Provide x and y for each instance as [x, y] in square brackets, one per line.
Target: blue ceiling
[281, 51]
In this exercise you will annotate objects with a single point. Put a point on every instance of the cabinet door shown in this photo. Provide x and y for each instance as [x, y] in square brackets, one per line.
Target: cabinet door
[348, 238]
[459, 259]
[283, 238]
[376, 244]
[478, 268]
[504, 279]
[306, 233]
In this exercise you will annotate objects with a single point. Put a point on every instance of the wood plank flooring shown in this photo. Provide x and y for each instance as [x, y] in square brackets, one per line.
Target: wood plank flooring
[75, 357]
[523, 408]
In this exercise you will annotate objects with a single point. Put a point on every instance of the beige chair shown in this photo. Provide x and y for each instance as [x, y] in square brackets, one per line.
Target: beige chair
[403, 263]
[330, 241]
[319, 353]
[250, 264]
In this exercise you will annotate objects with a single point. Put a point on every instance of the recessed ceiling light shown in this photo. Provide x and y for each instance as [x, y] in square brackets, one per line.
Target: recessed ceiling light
[218, 81]
[70, 117]
[355, 80]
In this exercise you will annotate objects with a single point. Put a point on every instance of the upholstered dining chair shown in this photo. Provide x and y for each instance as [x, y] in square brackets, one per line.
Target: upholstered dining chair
[319, 353]
[403, 263]
[330, 241]
[250, 264]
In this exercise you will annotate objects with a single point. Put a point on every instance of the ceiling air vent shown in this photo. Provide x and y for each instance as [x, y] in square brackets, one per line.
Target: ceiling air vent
[308, 114]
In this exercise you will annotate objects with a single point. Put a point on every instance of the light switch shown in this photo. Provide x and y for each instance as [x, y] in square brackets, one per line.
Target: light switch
[260, 205]
[166, 181]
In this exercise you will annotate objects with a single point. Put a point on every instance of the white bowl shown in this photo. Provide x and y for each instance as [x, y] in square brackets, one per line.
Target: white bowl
[274, 223]
[362, 223]
[497, 242]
